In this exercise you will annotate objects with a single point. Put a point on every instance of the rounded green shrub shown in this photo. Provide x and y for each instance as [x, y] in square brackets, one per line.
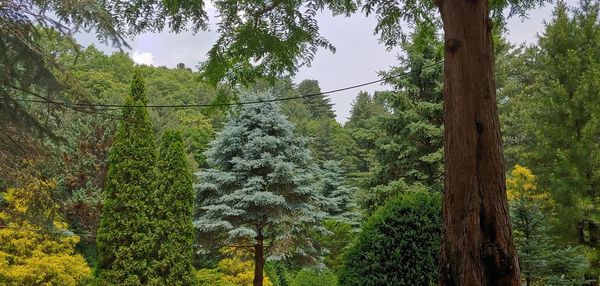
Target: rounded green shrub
[398, 245]
[313, 277]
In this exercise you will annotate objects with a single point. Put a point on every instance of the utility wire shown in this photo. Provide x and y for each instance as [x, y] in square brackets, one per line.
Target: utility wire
[71, 105]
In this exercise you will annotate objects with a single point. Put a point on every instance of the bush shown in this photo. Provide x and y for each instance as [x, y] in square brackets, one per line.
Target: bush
[337, 242]
[312, 277]
[33, 254]
[399, 244]
[230, 272]
[277, 272]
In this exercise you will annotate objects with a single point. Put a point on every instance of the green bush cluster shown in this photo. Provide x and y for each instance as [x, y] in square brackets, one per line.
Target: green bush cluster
[399, 244]
[314, 277]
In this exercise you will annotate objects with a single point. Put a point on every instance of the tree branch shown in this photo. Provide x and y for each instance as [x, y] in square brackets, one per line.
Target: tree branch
[268, 8]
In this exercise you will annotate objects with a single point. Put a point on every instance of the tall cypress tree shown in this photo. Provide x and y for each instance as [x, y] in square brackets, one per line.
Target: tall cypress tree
[125, 238]
[174, 227]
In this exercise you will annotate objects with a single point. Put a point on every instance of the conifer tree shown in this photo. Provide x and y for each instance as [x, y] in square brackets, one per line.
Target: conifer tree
[318, 105]
[339, 202]
[175, 199]
[258, 191]
[125, 237]
[408, 149]
[541, 261]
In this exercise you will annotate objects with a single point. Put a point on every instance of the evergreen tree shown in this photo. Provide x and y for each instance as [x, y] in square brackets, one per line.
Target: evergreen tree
[318, 105]
[259, 187]
[364, 129]
[314, 277]
[126, 239]
[410, 152]
[553, 118]
[174, 228]
[339, 196]
[364, 108]
[541, 262]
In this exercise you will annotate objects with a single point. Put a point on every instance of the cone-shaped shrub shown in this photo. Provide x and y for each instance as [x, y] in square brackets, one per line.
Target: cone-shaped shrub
[174, 227]
[125, 239]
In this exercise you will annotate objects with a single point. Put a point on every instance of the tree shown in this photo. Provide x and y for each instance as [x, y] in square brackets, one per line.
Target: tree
[272, 38]
[31, 254]
[339, 197]
[364, 108]
[259, 187]
[364, 128]
[174, 228]
[541, 262]
[398, 245]
[126, 238]
[337, 241]
[319, 106]
[408, 147]
[279, 39]
[552, 114]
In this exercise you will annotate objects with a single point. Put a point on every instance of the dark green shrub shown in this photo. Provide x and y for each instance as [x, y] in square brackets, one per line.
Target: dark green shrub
[313, 277]
[276, 271]
[398, 245]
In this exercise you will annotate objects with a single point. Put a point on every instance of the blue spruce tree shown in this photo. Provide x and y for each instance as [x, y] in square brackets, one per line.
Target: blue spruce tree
[259, 191]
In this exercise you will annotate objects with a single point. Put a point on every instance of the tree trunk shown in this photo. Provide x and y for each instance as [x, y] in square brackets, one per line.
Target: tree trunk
[477, 247]
[259, 260]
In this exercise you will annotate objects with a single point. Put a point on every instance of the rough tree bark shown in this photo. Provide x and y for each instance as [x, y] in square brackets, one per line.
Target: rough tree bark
[477, 247]
[259, 260]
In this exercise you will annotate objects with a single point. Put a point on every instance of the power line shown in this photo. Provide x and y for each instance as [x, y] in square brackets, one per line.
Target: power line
[45, 100]
[71, 105]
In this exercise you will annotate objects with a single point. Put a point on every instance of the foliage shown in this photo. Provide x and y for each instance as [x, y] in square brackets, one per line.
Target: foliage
[126, 238]
[82, 174]
[364, 130]
[315, 277]
[319, 106]
[229, 272]
[313, 118]
[398, 245]
[337, 242]
[175, 197]
[267, 38]
[408, 150]
[541, 263]
[278, 273]
[551, 113]
[259, 183]
[339, 197]
[210, 277]
[31, 254]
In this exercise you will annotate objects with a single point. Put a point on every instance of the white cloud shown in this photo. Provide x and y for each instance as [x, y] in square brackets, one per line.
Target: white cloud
[145, 58]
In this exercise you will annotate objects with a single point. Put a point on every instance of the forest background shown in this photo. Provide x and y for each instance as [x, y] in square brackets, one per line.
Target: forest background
[54, 156]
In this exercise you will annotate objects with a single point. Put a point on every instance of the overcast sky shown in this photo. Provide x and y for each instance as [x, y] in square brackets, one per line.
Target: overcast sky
[358, 58]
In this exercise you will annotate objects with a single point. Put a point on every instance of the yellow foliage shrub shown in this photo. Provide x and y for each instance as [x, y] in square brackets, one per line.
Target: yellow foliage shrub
[230, 272]
[31, 256]
[521, 185]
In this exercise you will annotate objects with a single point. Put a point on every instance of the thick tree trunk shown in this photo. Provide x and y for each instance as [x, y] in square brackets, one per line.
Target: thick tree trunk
[477, 247]
[259, 260]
